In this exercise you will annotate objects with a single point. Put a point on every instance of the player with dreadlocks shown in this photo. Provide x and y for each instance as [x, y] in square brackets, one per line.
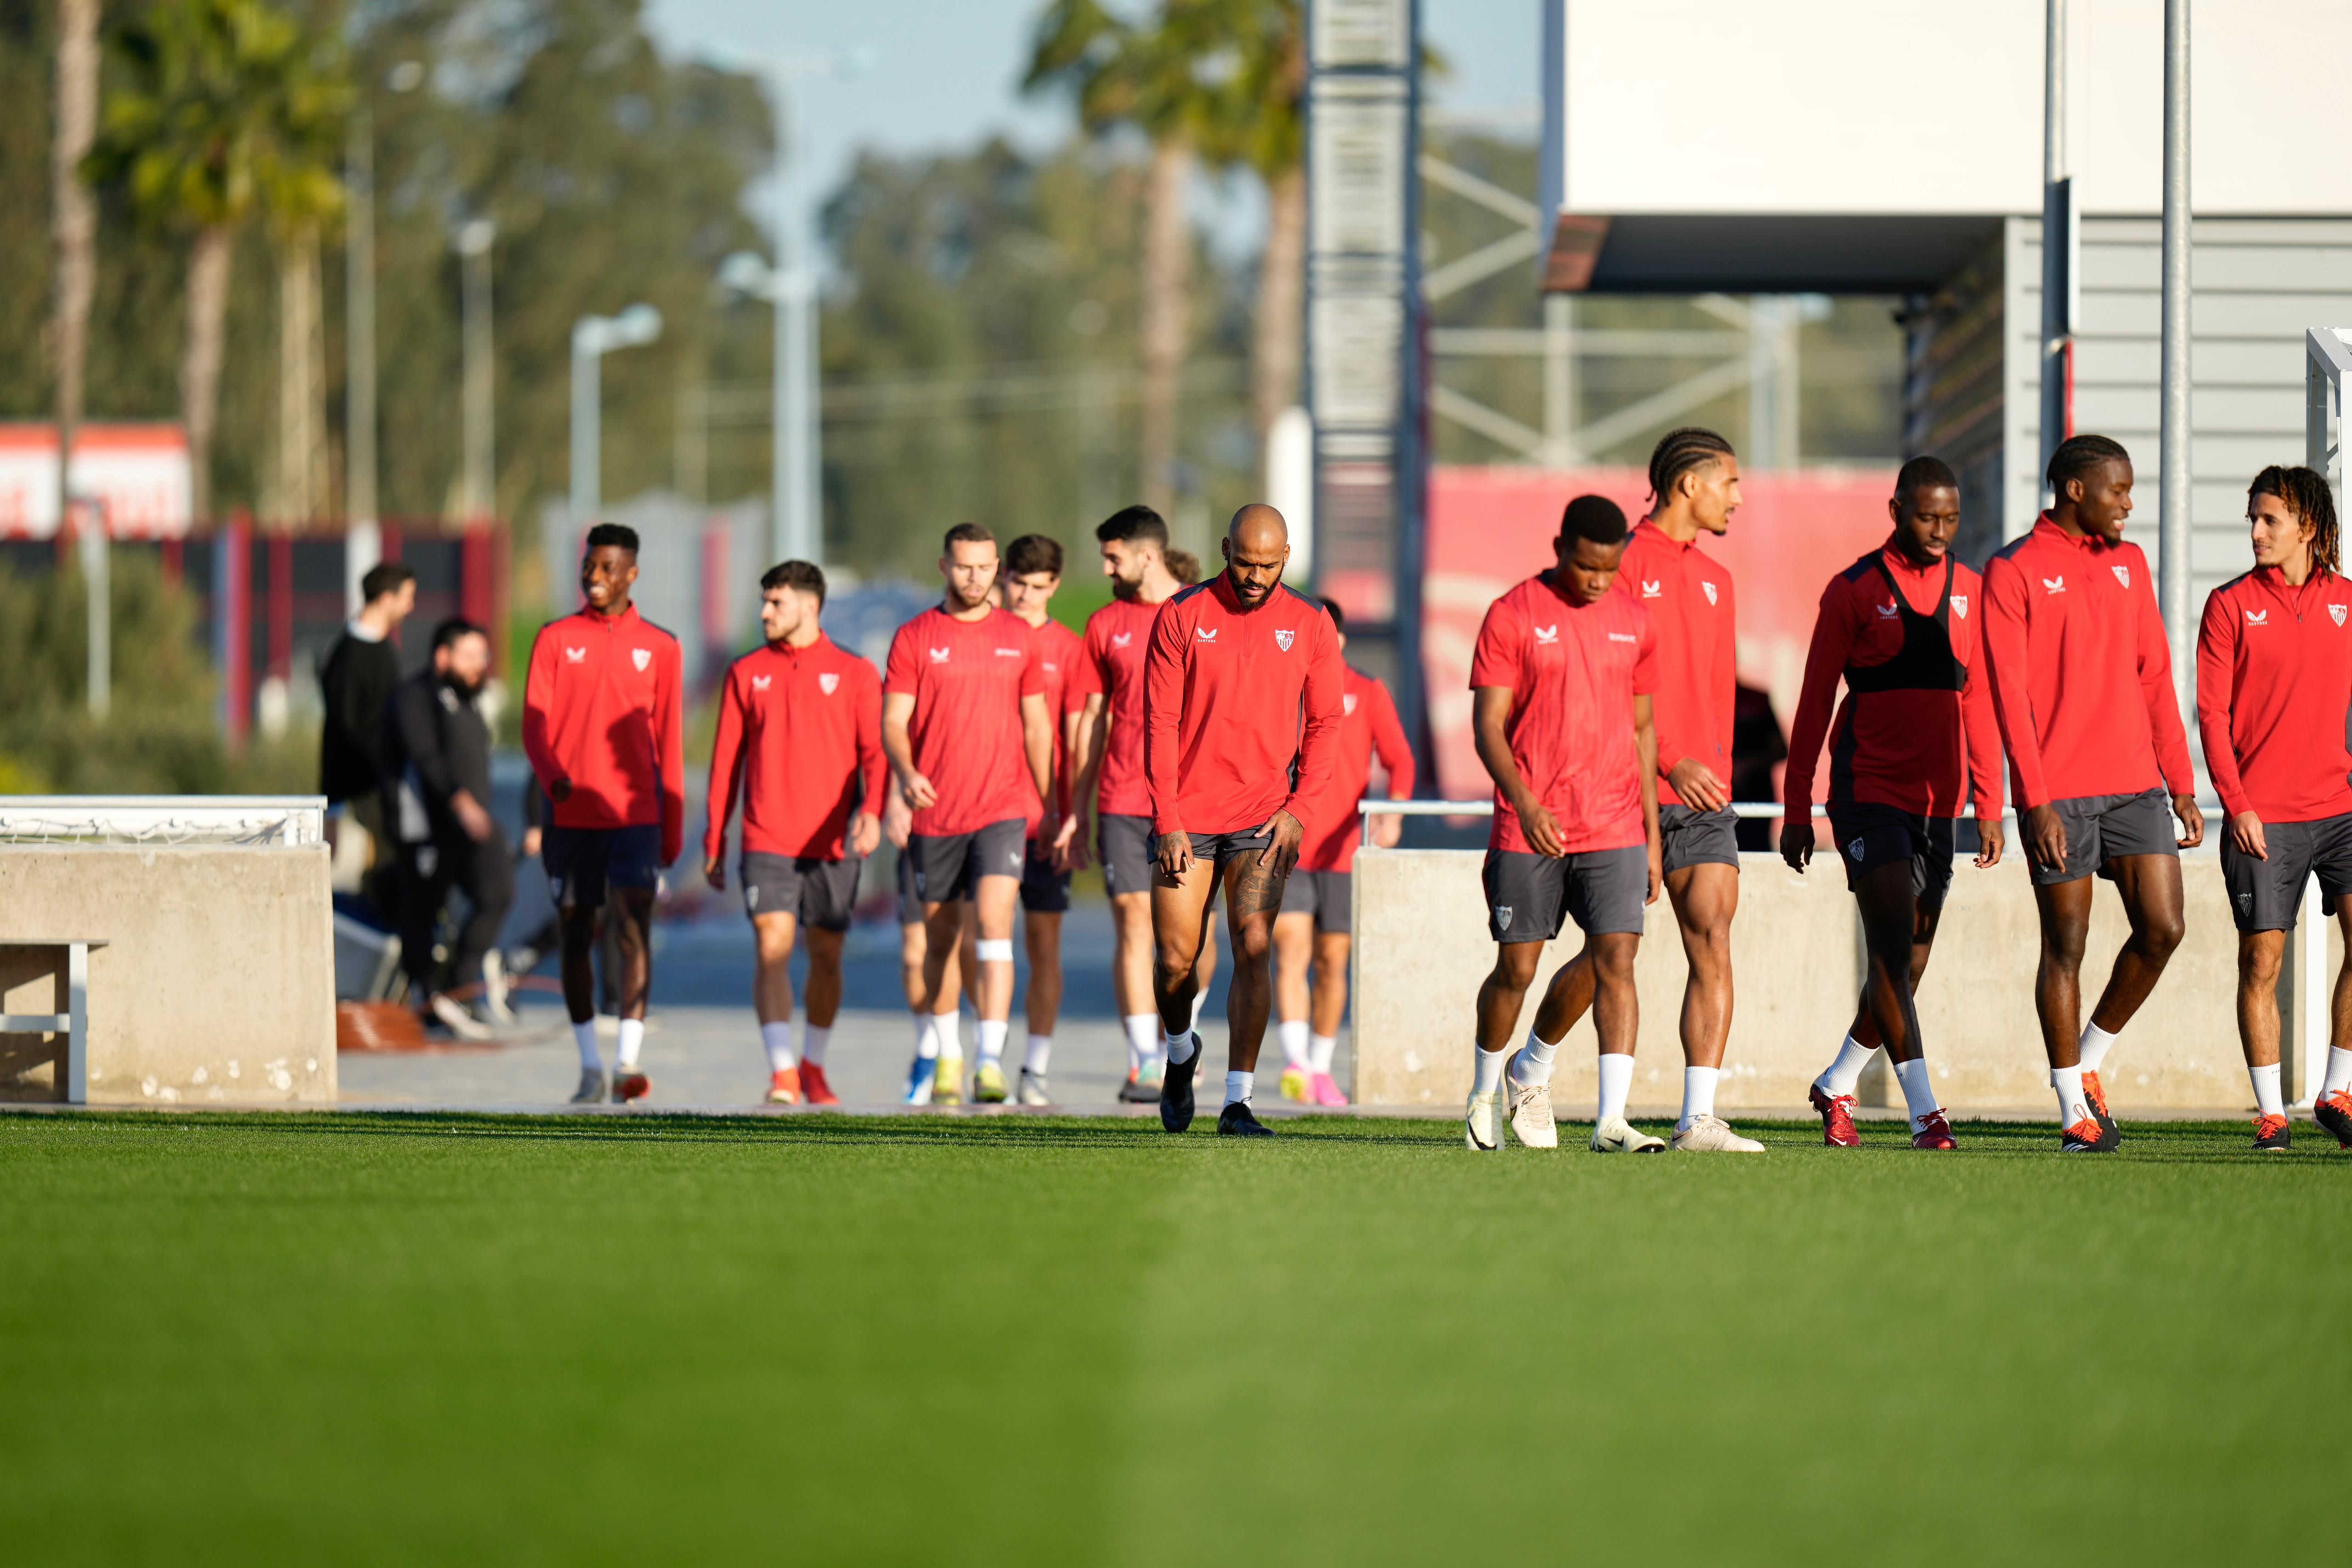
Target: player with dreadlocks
[2082, 684]
[1694, 489]
[2273, 681]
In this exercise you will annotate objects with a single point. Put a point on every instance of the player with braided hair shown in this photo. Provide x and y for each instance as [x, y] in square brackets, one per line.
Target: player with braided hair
[2273, 681]
[1694, 489]
[2082, 684]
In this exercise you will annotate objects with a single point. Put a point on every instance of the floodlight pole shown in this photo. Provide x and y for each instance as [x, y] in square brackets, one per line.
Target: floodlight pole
[474, 243]
[2174, 526]
[593, 337]
[2058, 250]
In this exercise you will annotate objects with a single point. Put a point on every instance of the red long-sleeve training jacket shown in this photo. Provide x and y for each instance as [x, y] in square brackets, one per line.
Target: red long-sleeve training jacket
[600, 708]
[1919, 747]
[1242, 709]
[1368, 722]
[2082, 680]
[800, 744]
[1689, 595]
[2274, 695]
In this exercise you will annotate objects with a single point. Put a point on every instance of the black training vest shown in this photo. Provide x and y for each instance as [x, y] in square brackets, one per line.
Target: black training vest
[1925, 661]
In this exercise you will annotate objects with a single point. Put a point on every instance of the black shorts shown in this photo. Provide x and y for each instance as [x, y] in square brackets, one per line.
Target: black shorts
[1693, 837]
[948, 865]
[818, 892]
[581, 862]
[1530, 896]
[2102, 828]
[910, 904]
[1124, 844]
[1324, 895]
[2267, 894]
[1043, 890]
[1870, 835]
[1219, 848]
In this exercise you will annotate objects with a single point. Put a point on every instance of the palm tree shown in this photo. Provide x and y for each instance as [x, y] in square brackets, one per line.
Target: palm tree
[73, 218]
[225, 111]
[1144, 76]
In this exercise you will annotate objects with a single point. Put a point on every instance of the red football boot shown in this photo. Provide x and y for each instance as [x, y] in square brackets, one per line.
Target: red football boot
[1935, 1132]
[1837, 1118]
[630, 1086]
[813, 1088]
[784, 1086]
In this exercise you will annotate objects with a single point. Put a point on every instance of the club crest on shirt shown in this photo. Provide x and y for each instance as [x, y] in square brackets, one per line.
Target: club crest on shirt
[641, 657]
[2123, 574]
[2337, 611]
[1708, 588]
[2053, 585]
[2258, 617]
[1283, 638]
[1122, 639]
[576, 655]
[940, 656]
[1651, 588]
[1348, 703]
[759, 683]
[1547, 633]
[829, 682]
[1960, 605]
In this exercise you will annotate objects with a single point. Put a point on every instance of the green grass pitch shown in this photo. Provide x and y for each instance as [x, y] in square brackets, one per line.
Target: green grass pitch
[375, 1339]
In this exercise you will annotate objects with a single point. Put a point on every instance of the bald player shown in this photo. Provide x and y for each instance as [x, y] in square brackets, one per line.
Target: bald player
[1243, 695]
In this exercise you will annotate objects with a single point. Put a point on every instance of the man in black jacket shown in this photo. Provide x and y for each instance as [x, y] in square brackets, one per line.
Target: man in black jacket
[355, 680]
[436, 781]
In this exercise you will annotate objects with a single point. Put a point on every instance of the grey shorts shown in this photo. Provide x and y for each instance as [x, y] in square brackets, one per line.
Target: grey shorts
[1219, 848]
[1870, 835]
[947, 866]
[910, 903]
[1326, 894]
[818, 892]
[2267, 894]
[1530, 896]
[2102, 828]
[1694, 837]
[1043, 890]
[1124, 846]
[581, 862]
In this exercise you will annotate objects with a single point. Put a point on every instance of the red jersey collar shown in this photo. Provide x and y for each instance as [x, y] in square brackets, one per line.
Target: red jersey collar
[1657, 535]
[789, 652]
[1892, 554]
[609, 623]
[2271, 579]
[1550, 577]
[2045, 529]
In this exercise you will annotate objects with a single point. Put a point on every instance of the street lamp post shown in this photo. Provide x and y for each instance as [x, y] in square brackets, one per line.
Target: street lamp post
[474, 242]
[593, 337]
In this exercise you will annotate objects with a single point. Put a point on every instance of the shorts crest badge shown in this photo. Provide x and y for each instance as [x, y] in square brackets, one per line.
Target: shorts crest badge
[1854, 848]
[1502, 918]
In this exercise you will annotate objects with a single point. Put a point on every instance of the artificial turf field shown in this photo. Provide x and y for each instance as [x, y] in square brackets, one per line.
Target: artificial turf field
[345, 1339]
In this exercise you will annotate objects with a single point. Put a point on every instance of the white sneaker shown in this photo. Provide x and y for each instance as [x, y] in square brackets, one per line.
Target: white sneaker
[1713, 1135]
[592, 1087]
[1616, 1136]
[1481, 1129]
[1531, 1121]
[495, 989]
[1033, 1089]
[455, 1018]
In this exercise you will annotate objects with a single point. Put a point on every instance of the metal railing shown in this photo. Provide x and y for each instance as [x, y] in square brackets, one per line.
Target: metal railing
[275, 821]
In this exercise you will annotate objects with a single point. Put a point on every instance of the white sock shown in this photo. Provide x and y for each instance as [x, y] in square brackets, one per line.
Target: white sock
[1698, 1093]
[1142, 1039]
[992, 1038]
[1238, 1086]
[1486, 1069]
[1918, 1088]
[927, 1038]
[947, 1032]
[1180, 1048]
[778, 1039]
[1841, 1076]
[2072, 1106]
[1533, 1064]
[1293, 1035]
[2266, 1089]
[1037, 1053]
[812, 1042]
[2339, 1070]
[633, 1041]
[1199, 1001]
[584, 1035]
[1616, 1083]
[2094, 1044]
[1319, 1048]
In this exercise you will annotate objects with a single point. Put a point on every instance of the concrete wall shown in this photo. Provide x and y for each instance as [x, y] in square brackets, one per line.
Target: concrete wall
[1422, 949]
[216, 987]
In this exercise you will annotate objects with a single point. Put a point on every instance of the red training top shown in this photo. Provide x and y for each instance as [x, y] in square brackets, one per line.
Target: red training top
[2274, 695]
[1058, 659]
[1368, 721]
[968, 678]
[2082, 680]
[1111, 663]
[601, 709]
[1688, 593]
[800, 743]
[1242, 709]
[1916, 729]
[1573, 671]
